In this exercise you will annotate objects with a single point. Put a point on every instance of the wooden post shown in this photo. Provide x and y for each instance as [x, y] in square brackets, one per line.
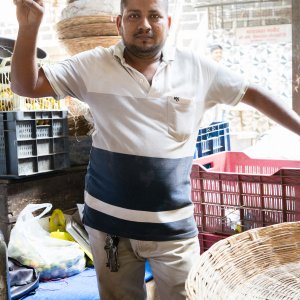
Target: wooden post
[296, 54]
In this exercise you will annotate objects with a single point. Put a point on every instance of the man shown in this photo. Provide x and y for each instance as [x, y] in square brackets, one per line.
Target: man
[147, 102]
[216, 52]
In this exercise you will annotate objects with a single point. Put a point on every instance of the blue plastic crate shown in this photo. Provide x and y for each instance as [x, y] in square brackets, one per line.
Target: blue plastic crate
[33, 142]
[213, 139]
[2, 148]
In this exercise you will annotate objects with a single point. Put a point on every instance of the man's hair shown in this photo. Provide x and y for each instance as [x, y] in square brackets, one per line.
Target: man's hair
[123, 4]
[215, 47]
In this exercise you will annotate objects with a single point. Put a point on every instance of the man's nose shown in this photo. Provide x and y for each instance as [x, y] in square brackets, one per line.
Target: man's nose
[145, 24]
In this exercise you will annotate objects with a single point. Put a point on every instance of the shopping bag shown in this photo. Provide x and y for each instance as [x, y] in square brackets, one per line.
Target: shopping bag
[32, 245]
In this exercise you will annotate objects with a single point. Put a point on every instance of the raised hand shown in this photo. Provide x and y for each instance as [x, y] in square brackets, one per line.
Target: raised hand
[29, 12]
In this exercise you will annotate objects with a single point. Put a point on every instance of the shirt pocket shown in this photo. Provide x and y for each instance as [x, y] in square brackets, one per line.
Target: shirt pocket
[181, 116]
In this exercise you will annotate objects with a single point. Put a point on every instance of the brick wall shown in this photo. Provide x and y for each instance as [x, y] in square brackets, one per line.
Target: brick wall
[47, 39]
[48, 36]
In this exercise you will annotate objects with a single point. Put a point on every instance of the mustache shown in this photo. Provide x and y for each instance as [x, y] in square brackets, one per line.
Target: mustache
[144, 33]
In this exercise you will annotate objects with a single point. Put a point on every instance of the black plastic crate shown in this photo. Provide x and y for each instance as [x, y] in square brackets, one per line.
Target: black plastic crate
[33, 142]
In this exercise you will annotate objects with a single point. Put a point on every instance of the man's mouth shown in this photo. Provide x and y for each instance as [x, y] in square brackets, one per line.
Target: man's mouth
[144, 36]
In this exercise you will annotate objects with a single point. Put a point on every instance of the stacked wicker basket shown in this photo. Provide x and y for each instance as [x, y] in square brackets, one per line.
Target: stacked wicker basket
[261, 263]
[80, 32]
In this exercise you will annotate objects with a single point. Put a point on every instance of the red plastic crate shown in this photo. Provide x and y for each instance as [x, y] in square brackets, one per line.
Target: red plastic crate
[206, 240]
[233, 192]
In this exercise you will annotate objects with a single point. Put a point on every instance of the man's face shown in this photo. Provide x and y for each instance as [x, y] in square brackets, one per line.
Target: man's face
[217, 55]
[144, 26]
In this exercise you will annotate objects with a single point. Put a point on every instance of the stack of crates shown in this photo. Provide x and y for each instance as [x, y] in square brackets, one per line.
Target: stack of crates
[213, 139]
[33, 131]
[33, 142]
[2, 148]
[233, 193]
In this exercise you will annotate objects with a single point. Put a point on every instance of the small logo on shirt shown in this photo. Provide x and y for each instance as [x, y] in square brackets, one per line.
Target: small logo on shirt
[176, 99]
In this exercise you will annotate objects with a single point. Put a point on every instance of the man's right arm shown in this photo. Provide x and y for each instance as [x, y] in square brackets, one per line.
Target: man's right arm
[27, 79]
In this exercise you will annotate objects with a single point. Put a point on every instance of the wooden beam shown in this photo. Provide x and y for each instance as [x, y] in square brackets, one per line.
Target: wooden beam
[296, 54]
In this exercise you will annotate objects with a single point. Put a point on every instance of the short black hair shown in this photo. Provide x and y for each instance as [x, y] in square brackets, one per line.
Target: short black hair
[215, 47]
[123, 4]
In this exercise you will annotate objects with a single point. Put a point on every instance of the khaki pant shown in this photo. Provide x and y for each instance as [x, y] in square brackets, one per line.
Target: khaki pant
[170, 263]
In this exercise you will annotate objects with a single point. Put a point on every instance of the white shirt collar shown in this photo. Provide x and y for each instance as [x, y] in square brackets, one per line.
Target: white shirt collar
[168, 52]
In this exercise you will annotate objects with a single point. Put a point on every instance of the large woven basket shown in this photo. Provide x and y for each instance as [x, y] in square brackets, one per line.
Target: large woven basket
[261, 263]
[86, 26]
[82, 33]
[80, 44]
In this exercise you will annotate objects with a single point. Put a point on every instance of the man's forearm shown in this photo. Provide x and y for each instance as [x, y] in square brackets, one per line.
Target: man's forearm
[24, 68]
[273, 108]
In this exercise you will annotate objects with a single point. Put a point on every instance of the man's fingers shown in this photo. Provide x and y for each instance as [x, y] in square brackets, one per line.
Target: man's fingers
[27, 3]
[36, 3]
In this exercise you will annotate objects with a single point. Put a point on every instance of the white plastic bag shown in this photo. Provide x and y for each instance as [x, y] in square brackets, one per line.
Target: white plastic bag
[32, 245]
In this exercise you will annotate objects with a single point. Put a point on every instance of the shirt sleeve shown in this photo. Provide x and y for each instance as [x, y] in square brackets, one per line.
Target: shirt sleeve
[65, 77]
[227, 87]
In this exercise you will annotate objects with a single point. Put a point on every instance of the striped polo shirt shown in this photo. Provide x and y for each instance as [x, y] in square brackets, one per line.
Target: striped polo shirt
[138, 177]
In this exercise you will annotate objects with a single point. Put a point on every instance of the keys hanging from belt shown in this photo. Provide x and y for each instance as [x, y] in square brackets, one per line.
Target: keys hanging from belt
[111, 248]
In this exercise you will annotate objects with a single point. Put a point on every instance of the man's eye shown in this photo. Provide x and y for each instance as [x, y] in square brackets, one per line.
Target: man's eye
[154, 17]
[133, 16]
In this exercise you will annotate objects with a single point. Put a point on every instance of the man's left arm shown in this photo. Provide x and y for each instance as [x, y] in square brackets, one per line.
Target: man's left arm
[272, 107]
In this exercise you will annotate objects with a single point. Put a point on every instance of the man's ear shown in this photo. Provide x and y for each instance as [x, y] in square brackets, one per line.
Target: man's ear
[169, 21]
[118, 23]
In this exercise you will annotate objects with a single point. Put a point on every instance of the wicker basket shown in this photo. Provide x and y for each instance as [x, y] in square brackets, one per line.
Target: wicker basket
[261, 263]
[86, 26]
[77, 45]
[80, 120]
[78, 34]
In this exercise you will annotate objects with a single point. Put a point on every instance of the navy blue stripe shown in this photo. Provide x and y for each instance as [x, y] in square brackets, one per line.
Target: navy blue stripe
[138, 182]
[140, 231]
